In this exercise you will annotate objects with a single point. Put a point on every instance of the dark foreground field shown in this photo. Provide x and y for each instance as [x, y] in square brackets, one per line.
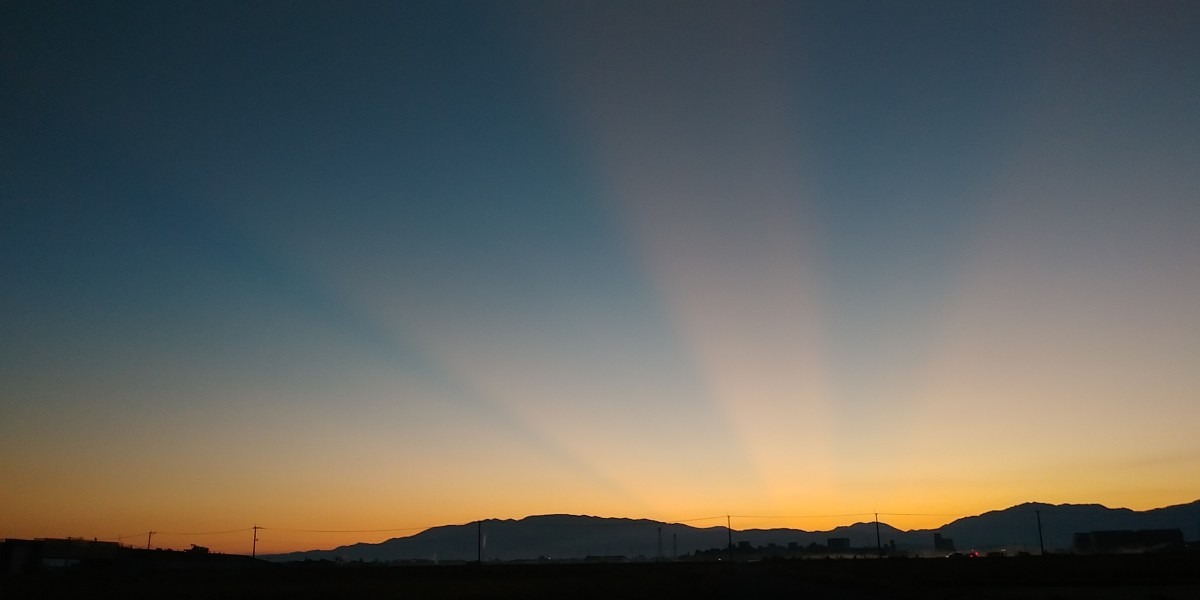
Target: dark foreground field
[1051, 577]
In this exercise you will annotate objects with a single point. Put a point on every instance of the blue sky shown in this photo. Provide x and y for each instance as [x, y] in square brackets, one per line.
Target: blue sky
[600, 255]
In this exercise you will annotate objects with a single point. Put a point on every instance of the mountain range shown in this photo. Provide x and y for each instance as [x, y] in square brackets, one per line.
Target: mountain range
[576, 536]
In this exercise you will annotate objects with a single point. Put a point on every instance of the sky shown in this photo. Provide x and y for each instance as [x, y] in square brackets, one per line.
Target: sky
[336, 268]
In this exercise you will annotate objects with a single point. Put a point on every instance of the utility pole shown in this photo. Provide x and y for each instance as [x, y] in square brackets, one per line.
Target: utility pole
[729, 531]
[878, 542]
[254, 544]
[479, 541]
[148, 536]
[1041, 542]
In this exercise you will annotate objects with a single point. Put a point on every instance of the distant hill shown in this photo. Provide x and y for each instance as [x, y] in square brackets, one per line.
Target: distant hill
[573, 536]
[1016, 527]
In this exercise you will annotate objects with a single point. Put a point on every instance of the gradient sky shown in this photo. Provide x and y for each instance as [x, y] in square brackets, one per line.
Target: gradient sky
[357, 266]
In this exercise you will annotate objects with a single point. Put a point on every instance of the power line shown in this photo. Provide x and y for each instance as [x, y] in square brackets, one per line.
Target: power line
[697, 519]
[117, 538]
[340, 530]
[728, 519]
[803, 516]
[889, 514]
[205, 532]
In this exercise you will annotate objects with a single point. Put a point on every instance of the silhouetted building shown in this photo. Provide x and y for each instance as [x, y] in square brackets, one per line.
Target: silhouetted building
[23, 556]
[943, 544]
[1127, 542]
[20, 556]
[838, 544]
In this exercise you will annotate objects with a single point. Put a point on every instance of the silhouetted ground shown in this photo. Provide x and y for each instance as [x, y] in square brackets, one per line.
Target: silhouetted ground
[1054, 577]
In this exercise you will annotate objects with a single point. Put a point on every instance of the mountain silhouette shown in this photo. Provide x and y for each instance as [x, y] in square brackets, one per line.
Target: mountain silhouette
[576, 537]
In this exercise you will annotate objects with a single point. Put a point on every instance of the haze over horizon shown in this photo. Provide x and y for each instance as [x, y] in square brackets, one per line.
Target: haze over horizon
[358, 266]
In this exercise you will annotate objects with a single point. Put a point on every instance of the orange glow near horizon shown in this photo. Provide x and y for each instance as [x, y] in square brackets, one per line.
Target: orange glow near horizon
[284, 536]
